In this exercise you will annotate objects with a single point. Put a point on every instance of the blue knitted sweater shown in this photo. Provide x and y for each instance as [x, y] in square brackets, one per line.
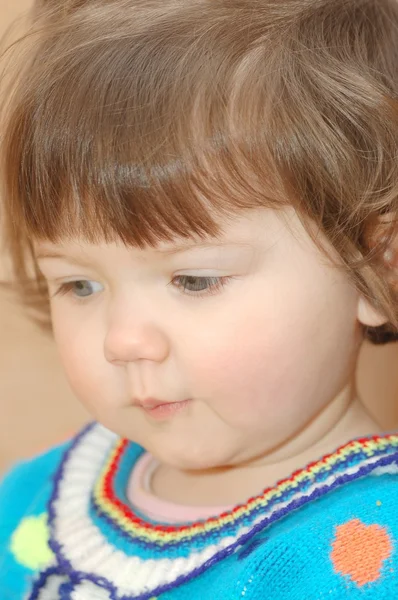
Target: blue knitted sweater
[330, 531]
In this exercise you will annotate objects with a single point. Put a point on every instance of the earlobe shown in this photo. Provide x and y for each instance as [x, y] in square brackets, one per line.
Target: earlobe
[369, 315]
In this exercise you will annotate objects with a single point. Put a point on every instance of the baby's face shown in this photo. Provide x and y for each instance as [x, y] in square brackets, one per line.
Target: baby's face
[265, 334]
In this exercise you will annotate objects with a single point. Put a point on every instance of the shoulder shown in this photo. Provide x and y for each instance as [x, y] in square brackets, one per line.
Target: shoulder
[25, 492]
[344, 544]
[28, 476]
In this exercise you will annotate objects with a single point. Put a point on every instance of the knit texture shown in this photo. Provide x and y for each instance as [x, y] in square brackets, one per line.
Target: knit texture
[68, 532]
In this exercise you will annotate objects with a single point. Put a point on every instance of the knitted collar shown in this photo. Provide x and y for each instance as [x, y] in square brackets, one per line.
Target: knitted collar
[96, 535]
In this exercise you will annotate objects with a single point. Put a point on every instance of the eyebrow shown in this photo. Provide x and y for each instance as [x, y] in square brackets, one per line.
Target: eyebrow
[204, 244]
[43, 254]
[177, 249]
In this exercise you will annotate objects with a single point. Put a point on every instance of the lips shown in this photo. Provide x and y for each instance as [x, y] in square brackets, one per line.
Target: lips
[151, 403]
[160, 410]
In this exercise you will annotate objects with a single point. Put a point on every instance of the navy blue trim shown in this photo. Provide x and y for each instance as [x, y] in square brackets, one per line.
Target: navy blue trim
[41, 581]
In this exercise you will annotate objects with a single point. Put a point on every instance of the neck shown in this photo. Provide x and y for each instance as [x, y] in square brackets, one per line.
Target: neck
[341, 420]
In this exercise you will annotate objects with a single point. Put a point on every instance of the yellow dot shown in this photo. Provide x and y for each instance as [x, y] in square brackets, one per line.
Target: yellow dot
[378, 503]
[29, 543]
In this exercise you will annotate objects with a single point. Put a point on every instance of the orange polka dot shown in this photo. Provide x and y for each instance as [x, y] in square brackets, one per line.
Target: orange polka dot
[359, 551]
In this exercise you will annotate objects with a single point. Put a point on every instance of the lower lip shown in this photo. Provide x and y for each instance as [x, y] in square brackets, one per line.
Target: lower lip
[165, 411]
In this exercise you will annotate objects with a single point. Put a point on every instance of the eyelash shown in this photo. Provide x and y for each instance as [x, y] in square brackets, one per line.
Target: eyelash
[218, 284]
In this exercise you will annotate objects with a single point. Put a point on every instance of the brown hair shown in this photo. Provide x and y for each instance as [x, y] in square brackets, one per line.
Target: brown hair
[144, 120]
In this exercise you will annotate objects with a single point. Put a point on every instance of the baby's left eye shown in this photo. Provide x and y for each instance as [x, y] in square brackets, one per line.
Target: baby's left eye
[200, 286]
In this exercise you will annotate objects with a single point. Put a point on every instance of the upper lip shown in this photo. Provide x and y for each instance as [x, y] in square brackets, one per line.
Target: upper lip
[150, 402]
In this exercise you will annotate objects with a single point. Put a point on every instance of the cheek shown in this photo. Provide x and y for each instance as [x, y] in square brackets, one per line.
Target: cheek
[274, 358]
[80, 353]
[241, 365]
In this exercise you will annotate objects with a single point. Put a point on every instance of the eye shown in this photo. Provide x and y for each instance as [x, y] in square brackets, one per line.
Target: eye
[81, 288]
[200, 286]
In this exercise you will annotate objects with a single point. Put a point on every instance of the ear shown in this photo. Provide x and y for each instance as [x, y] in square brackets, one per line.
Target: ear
[369, 315]
[381, 235]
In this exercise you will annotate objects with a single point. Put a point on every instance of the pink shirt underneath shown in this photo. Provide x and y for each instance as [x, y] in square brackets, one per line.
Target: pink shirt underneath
[140, 495]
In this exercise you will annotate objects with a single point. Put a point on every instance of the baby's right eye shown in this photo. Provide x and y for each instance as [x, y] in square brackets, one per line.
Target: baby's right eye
[81, 288]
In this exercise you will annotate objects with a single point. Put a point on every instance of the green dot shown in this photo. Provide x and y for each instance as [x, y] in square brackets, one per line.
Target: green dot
[29, 543]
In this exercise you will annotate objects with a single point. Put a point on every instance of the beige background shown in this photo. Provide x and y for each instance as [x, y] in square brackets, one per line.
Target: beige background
[36, 406]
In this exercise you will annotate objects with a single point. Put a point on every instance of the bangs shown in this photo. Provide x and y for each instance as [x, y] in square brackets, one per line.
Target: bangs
[136, 134]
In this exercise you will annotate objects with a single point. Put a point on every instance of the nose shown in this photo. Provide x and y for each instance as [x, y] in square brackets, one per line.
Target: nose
[129, 340]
